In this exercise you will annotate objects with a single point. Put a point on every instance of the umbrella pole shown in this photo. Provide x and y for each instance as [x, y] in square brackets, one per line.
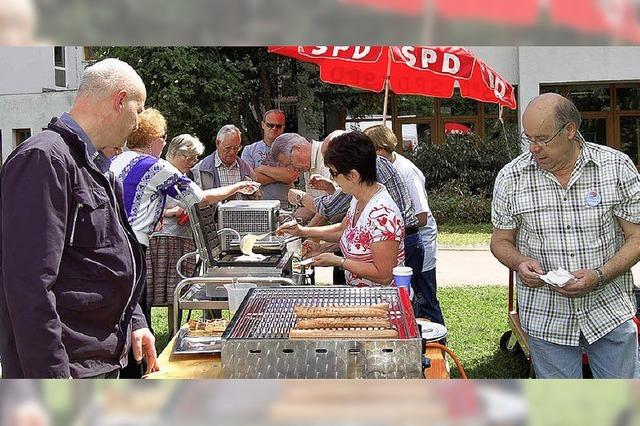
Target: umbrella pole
[386, 90]
[386, 97]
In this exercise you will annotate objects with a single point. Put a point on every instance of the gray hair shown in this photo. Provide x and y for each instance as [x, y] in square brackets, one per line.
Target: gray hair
[225, 130]
[567, 112]
[108, 76]
[185, 145]
[284, 144]
[331, 136]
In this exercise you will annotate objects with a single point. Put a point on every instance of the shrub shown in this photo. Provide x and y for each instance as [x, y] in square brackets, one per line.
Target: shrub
[461, 172]
[455, 204]
[468, 161]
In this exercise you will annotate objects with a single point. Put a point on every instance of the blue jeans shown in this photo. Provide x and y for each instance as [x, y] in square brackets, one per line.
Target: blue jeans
[614, 355]
[425, 303]
[413, 254]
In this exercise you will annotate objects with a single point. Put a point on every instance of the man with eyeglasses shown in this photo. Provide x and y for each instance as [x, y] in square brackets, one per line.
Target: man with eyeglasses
[224, 167]
[296, 152]
[568, 203]
[275, 179]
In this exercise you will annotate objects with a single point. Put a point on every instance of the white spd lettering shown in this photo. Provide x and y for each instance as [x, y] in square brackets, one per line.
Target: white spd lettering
[501, 88]
[409, 56]
[451, 63]
[495, 83]
[337, 49]
[319, 50]
[428, 57]
[361, 52]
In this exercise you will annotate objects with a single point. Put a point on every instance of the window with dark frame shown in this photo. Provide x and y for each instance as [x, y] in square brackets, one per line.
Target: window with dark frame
[421, 119]
[60, 67]
[21, 135]
[610, 113]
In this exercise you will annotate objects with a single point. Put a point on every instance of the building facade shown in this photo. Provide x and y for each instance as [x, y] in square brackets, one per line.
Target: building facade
[36, 84]
[603, 81]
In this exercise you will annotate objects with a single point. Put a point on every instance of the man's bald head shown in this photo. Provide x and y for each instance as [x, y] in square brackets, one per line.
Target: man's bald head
[327, 140]
[556, 107]
[107, 77]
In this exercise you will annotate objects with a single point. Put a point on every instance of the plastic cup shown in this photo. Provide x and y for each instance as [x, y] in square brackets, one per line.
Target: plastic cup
[237, 292]
[402, 278]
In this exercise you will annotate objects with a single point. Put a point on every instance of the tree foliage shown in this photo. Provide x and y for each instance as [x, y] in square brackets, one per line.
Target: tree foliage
[200, 89]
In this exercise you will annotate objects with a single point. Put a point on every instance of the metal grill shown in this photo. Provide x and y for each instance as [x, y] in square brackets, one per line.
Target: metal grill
[247, 217]
[203, 226]
[256, 344]
[268, 313]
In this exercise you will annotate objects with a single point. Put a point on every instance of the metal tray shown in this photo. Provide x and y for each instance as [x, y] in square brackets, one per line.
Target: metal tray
[196, 345]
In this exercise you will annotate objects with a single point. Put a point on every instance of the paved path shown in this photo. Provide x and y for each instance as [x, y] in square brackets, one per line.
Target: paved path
[464, 267]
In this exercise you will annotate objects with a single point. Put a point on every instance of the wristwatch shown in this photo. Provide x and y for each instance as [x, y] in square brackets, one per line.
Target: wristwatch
[600, 275]
[342, 263]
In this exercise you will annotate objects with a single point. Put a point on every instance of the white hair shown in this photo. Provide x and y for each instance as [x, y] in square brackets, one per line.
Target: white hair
[185, 145]
[109, 76]
[225, 130]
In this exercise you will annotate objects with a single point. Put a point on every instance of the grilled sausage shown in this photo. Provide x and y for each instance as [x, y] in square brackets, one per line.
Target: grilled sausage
[343, 334]
[315, 323]
[380, 310]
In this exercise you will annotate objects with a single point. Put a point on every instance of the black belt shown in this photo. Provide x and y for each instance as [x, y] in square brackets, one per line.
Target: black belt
[410, 230]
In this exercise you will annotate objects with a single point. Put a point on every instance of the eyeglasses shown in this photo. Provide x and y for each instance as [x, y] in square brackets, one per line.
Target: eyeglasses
[536, 141]
[334, 174]
[191, 160]
[230, 148]
[273, 125]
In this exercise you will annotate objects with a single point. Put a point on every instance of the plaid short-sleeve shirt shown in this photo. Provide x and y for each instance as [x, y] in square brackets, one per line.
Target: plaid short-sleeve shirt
[573, 228]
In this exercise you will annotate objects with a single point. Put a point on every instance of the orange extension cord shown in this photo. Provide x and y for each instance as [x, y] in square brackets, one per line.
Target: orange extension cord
[451, 354]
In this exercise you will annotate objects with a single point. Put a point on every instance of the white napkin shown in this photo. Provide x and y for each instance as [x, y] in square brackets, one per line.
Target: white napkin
[558, 277]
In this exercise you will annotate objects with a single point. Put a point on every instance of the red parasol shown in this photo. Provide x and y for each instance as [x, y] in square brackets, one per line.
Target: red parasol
[407, 70]
[457, 129]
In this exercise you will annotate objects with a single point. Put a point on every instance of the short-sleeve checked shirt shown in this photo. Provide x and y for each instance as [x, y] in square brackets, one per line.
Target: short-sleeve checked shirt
[573, 228]
[229, 175]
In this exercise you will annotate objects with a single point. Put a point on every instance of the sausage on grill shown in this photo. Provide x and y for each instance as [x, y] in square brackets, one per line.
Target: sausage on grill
[380, 310]
[343, 334]
[315, 323]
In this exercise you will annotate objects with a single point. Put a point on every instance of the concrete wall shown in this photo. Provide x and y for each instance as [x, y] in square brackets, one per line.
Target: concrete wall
[529, 67]
[28, 96]
[539, 65]
[31, 69]
[30, 111]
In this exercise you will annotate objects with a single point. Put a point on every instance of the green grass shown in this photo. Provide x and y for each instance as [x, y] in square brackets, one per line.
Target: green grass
[476, 317]
[580, 402]
[461, 235]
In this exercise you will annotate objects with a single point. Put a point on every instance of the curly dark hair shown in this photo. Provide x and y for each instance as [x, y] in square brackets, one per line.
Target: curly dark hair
[353, 151]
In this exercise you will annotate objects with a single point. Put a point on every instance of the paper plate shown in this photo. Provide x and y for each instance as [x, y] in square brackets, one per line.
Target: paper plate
[432, 331]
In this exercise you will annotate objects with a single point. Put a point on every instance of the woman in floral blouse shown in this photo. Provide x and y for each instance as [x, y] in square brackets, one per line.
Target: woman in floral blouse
[371, 234]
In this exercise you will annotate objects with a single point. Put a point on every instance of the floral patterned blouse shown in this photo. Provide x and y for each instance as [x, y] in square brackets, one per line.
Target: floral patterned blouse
[381, 220]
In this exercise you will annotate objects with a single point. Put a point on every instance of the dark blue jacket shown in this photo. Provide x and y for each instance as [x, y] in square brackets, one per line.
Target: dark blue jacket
[72, 271]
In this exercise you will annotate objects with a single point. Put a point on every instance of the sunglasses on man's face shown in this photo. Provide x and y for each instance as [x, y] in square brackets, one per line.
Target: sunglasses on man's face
[273, 125]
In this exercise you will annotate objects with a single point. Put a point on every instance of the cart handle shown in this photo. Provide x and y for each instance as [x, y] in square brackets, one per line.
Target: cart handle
[182, 259]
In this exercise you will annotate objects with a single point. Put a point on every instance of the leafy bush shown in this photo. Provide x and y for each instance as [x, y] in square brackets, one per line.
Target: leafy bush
[468, 161]
[461, 172]
[455, 204]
